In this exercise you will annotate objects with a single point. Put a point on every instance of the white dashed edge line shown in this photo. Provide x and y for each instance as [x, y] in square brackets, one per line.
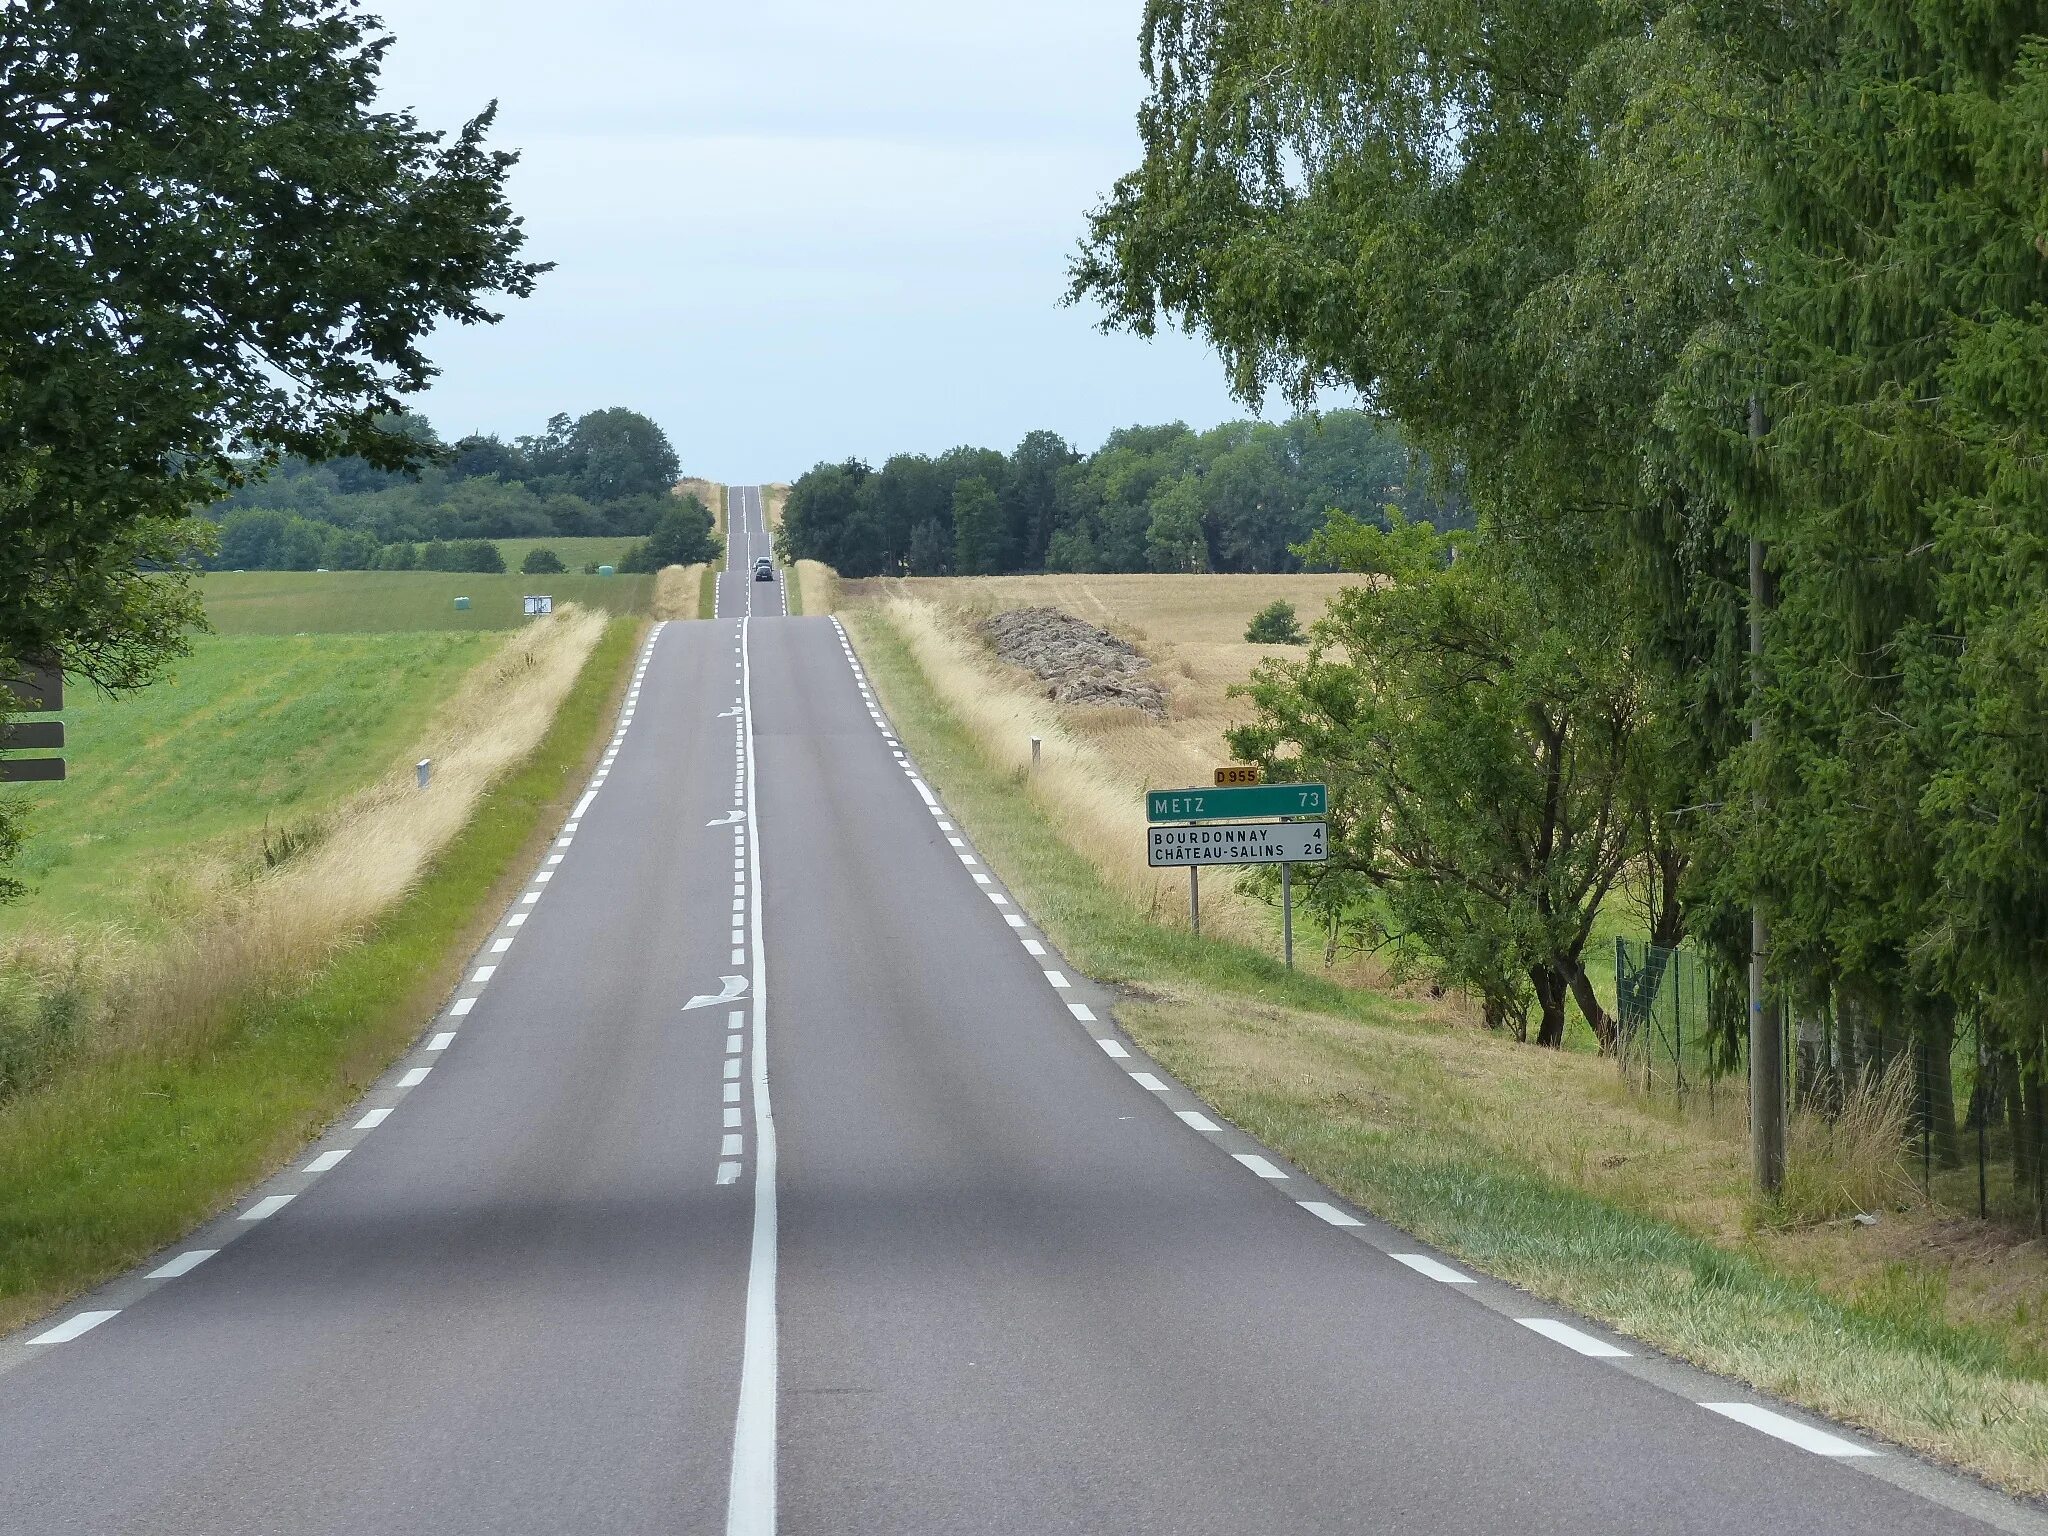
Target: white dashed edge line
[1765, 1420]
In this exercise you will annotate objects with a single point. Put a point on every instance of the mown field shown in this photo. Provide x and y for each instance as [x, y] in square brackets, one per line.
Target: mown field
[369, 602]
[574, 553]
[250, 732]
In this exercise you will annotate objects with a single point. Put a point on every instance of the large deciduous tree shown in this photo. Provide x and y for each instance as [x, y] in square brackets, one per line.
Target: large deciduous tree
[213, 244]
[1480, 732]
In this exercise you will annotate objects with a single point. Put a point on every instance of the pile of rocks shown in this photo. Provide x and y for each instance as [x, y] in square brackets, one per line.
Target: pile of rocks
[1077, 662]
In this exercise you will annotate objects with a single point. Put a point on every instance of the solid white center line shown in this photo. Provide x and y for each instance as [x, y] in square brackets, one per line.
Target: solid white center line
[326, 1160]
[1572, 1338]
[1423, 1264]
[269, 1205]
[66, 1331]
[183, 1264]
[373, 1119]
[1805, 1436]
[750, 1499]
[1259, 1165]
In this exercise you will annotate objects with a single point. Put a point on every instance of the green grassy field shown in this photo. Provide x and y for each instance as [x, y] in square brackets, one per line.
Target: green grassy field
[368, 602]
[575, 553]
[123, 1154]
[249, 730]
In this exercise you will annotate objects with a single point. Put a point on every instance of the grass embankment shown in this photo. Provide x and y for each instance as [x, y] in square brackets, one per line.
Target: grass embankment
[346, 602]
[234, 1043]
[1535, 1166]
[683, 591]
[813, 588]
[144, 825]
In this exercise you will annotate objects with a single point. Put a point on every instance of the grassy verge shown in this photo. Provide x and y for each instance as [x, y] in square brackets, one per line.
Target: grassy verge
[1536, 1167]
[122, 1154]
[707, 593]
[343, 602]
[292, 723]
[792, 590]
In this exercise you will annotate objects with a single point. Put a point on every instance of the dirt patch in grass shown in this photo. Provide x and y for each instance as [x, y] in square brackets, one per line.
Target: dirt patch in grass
[1077, 662]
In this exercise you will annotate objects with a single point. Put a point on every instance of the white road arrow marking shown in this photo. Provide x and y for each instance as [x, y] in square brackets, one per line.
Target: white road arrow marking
[729, 819]
[735, 987]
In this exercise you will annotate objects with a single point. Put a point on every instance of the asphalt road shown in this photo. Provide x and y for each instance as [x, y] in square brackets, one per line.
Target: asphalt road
[779, 1176]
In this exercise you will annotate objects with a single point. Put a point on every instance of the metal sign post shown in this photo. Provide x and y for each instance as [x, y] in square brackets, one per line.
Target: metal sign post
[1287, 912]
[1185, 828]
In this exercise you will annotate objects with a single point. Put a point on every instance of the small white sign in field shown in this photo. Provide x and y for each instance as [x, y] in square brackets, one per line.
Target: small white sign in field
[539, 607]
[1244, 842]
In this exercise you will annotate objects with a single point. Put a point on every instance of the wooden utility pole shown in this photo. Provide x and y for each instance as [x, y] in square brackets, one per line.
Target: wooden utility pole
[1766, 1021]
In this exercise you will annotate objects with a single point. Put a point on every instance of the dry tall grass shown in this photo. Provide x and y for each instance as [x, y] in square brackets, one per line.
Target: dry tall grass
[710, 492]
[1854, 1160]
[249, 935]
[817, 587]
[772, 499]
[677, 589]
[1094, 801]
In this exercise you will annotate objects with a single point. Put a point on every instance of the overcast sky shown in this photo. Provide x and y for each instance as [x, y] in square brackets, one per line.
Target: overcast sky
[795, 230]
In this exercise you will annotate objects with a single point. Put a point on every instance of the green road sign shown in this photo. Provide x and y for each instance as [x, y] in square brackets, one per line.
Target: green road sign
[1235, 804]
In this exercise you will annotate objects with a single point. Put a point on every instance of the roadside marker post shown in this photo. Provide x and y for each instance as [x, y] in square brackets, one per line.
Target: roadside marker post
[37, 689]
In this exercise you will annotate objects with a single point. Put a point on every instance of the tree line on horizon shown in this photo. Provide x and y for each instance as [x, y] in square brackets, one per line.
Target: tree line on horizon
[608, 473]
[1239, 497]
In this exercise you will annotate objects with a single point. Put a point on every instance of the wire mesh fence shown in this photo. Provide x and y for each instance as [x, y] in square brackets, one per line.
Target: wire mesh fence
[1974, 1132]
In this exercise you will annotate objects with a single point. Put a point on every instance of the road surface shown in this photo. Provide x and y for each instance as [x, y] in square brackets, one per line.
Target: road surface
[771, 1172]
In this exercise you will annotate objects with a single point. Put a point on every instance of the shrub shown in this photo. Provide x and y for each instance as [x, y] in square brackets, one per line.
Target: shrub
[541, 562]
[479, 555]
[1275, 624]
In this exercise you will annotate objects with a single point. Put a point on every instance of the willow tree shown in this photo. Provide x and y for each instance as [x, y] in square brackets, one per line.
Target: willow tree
[1522, 228]
[1480, 731]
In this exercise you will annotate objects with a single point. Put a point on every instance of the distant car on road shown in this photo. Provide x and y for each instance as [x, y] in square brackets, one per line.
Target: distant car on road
[764, 569]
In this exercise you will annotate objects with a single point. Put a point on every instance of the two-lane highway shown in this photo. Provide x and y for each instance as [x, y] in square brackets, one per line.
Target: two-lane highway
[772, 1172]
